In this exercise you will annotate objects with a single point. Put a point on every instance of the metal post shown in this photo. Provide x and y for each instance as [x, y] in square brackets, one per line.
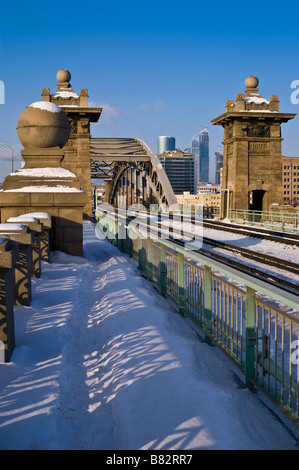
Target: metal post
[132, 185]
[138, 187]
[143, 185]
[116, 243]
[163, 270]
[121, 237]
[181, 280]
[150, 259]
[130, 242]
[208, 304]
[129, 199]
[250, 337]
[127, 188]
[109, 231]
[140, 252]
[228, 203]
[113, 229]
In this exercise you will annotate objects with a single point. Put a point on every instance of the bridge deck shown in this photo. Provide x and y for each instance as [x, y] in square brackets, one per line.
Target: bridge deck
[103, 362]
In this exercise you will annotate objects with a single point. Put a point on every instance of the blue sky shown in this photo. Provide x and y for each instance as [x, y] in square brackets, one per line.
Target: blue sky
[158, 68]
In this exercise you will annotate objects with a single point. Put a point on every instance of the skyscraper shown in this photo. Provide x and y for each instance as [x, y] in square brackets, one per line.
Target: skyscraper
[219, 165]
[204, 156]
[165, 144]
[179, 167]
[195, 151]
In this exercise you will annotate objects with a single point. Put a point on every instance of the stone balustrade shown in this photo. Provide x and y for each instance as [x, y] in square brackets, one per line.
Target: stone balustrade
[37, 228]
[8, 257]
[24, 237]
[25, 241]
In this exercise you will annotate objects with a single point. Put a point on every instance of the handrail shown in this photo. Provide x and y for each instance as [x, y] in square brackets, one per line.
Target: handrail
[285, 221]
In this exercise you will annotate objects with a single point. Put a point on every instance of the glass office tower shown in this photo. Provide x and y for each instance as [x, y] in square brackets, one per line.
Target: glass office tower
[195, 151]
[204, 156]
[165, 144]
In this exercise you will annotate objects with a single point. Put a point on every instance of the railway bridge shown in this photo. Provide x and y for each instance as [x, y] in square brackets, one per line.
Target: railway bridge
[131, 170]
[250, 316]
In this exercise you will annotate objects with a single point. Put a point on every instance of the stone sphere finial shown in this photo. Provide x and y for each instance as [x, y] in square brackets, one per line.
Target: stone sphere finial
[251, 81]
[63, 75]
[43, 125]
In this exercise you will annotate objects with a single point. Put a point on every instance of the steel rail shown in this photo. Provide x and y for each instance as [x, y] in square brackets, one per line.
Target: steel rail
[253, 255]
[281, 237]
[256, 232]
[267, 260]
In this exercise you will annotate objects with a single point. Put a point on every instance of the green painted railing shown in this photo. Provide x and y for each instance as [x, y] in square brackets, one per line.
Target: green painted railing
[255, 323]
[275, 220]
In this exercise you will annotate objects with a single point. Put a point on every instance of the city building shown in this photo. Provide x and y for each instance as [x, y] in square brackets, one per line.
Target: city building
[195, 151]
[204, 160]
[180, 168]
[290, 177]
[219, 166]
[208, 188]
[201, 199]
[165, 144]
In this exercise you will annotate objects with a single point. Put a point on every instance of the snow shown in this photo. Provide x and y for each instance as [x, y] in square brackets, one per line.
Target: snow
[102, 361]
[22, 218]
[46, 106]
[7, 227]
[65, 94]
[276, 249]
[256, 99]
[45, 189]
[260, 111]
[47, 172]
[38, 215]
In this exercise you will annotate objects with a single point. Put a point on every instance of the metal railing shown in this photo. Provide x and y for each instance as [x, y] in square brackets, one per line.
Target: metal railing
[255, 323]
[207, 212]
[285, 221]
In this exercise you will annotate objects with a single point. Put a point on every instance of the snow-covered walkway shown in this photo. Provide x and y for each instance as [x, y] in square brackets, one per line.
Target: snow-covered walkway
[103, 362]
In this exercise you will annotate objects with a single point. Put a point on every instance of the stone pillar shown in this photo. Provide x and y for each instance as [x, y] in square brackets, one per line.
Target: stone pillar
[252, 169]
[80, 115]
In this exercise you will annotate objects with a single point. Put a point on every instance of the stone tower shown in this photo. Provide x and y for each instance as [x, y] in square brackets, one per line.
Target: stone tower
[80, 115]
[252, 160]
[42, 185]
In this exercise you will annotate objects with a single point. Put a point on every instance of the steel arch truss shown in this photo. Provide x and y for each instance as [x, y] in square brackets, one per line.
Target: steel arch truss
[131, 171]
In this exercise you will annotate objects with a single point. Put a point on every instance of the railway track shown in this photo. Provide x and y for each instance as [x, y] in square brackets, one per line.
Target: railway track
[261, 274]
[254, 256]
[265, 262]
[256, 232]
